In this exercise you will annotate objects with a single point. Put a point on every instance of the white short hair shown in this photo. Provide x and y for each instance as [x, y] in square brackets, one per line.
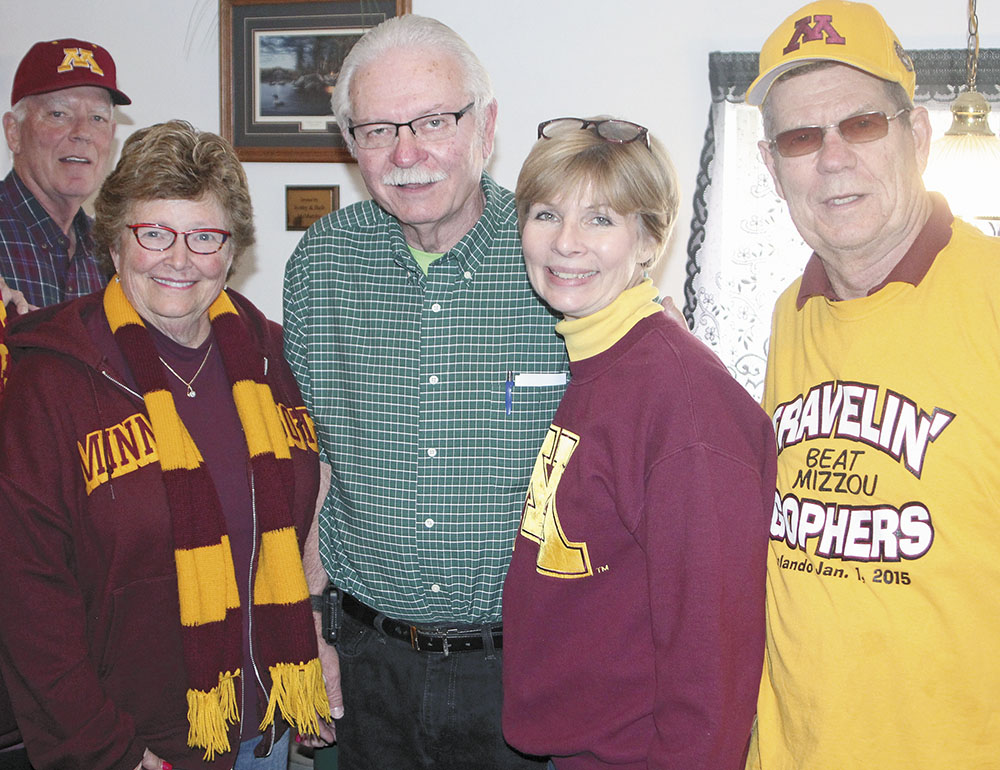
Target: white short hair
[409, 31]
[20, 110]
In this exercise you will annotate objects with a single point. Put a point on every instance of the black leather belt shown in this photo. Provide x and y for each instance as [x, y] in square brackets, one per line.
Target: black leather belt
[444, 640]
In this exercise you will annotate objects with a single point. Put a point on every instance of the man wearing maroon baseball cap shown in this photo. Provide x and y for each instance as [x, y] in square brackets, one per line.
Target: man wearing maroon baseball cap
[59, 131]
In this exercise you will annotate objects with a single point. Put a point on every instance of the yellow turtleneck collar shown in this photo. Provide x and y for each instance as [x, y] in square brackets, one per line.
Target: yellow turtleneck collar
[593, 334]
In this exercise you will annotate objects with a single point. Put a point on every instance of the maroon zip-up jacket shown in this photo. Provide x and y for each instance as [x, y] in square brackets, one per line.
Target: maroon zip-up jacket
[90, 635]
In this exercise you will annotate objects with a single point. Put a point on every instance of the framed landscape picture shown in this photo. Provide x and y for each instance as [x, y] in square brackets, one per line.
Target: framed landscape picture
[279, 62]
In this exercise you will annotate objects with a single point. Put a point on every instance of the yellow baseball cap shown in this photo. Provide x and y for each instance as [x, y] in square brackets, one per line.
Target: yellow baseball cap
[838, 31]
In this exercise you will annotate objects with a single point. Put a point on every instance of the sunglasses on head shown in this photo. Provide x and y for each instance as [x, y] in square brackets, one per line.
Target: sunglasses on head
[857, 129]
[610, 130]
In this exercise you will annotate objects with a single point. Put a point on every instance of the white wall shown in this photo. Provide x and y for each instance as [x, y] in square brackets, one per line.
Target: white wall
[645, 60]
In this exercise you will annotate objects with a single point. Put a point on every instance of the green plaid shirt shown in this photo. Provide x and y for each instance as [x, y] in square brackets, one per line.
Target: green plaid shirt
[404, 375]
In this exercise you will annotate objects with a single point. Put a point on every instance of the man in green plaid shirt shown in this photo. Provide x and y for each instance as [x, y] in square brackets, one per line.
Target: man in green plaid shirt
[431, 371]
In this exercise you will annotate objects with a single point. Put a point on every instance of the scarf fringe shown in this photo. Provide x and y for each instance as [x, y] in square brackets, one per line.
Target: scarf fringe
[210, 714]
[300, 692]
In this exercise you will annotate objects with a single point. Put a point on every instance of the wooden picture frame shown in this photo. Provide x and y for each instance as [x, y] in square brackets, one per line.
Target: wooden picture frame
[278, 61]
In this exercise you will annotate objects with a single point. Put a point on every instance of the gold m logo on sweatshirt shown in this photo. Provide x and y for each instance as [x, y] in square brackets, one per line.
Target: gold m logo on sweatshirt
[558, 556]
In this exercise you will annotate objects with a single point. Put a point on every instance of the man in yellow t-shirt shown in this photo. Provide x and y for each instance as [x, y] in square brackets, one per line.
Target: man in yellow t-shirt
[883, 386]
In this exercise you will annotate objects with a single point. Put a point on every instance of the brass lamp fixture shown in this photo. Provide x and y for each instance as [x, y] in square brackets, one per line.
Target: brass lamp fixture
[964, 164]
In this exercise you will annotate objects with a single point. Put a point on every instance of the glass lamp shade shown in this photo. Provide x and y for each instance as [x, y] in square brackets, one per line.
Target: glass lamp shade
[964, 164]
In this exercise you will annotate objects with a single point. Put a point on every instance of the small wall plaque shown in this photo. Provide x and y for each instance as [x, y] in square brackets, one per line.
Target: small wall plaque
[304, 205]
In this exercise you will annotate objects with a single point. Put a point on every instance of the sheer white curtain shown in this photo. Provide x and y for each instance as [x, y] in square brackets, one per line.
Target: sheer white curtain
[744, 250]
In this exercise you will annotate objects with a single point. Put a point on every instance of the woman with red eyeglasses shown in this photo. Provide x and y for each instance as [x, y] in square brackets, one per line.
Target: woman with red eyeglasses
[158, 477]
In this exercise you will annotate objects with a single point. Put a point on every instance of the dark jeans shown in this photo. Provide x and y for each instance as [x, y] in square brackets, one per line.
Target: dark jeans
[405, 709]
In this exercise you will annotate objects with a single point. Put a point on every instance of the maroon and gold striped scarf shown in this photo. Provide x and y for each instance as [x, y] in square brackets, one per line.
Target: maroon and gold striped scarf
[284, 639]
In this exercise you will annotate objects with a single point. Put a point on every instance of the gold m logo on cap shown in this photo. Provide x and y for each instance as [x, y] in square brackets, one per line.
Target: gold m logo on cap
[79, 57]
[813, 28]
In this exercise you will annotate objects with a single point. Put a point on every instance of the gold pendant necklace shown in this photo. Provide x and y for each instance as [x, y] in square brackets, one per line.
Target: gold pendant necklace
[188, 383]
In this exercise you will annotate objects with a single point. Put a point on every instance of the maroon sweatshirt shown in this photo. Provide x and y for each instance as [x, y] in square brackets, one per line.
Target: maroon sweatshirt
[634, 605]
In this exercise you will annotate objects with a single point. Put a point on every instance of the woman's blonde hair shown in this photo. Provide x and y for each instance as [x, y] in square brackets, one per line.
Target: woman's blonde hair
[630, 178]
[173, 161]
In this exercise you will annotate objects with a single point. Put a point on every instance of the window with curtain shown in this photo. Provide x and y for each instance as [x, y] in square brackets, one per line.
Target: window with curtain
[743, 249]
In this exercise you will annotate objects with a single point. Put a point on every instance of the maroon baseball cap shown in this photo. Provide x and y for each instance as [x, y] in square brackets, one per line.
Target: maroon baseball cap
[53, 65]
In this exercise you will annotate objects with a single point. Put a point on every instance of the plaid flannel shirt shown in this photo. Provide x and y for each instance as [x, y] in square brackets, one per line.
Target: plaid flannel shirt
[34, 252]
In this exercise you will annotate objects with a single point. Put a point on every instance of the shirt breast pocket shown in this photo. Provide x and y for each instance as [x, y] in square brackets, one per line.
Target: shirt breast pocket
[523, 410]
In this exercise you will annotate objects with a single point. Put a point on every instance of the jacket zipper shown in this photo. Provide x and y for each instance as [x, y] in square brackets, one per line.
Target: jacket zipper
[121, 385]
[253, 560]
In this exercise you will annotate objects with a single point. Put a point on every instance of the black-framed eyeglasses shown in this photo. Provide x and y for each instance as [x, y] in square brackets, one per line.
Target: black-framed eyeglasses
[857, 129]
[610, 129]
[435, 127]
[201, 240]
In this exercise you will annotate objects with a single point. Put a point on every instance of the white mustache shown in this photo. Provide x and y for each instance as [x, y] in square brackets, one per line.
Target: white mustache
[413, 175]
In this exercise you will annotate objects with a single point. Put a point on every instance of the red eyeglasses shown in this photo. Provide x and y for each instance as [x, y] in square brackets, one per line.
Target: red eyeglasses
[153, 237]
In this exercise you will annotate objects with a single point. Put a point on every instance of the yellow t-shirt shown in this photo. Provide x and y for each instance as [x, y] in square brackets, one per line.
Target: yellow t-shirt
[883, 617]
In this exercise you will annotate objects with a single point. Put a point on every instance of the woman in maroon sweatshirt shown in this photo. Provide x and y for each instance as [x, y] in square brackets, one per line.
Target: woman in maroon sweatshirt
[634, 605]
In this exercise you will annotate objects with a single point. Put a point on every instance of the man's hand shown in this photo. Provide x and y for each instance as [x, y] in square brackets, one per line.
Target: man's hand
[316, 578]
[331, 674]
[8, 295]
[331, 677]
[672, 312]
